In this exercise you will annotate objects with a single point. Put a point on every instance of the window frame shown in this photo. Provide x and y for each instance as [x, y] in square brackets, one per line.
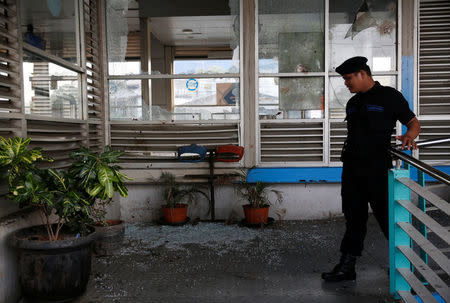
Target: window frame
[150, 76]
[174, 165]
[79, 67]
[326, 120]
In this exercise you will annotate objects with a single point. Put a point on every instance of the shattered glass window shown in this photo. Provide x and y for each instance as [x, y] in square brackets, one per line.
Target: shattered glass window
[291, 39]
[291, 98]
[291, 36]
[367, 28]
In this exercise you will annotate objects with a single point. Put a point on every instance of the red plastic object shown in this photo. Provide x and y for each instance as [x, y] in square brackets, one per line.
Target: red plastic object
[229, 153]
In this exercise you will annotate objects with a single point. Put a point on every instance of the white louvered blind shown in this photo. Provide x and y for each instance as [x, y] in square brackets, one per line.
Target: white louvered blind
[434, 129]
[10, 86]
[93, 75]
[10, 127]
[147, 144]
[338, 134]
[434, 57]
[291, 142]
[95, 136]
[57, 139]
[92, 38]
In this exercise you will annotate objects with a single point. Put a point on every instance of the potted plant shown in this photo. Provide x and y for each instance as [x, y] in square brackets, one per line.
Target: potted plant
[55, 258]
[257, 195]
[174, 194]
[110, 232]
[86, 166]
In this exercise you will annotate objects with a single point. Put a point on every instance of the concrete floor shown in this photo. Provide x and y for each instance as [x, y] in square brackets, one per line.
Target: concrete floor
[214, 262]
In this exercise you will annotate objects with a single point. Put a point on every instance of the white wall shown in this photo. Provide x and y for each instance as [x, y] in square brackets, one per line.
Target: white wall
[310, 201]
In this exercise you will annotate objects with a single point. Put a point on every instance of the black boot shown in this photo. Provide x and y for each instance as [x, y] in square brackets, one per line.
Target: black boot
[345, 270]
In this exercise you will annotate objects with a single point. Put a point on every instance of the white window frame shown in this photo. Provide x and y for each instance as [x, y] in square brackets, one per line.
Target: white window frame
[181, 165]
[327, 74]
[79, 67]
[188, 76]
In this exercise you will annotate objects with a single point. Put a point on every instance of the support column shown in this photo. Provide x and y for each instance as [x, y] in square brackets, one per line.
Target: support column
[146, 66]
[249, 110]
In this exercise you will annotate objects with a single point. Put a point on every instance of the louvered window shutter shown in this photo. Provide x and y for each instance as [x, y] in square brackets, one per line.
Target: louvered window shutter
[10, 80]
[56, 138]
[93, 75]
[434, 57]
[338, 134]
[434, 78]
[150, 144]
[434, 129]
[291, 142]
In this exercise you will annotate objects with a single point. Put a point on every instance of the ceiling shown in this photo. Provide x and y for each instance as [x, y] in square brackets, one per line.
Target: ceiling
[210, 21]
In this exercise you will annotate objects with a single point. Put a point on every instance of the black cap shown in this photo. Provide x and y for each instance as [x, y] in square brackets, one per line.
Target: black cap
[352, 65]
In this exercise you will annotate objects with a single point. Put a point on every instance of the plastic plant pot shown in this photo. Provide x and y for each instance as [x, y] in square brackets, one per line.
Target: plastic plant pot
[192, 153]
[229, 153]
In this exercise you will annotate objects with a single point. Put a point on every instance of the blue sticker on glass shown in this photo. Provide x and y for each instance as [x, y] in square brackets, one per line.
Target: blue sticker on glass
[192, 84]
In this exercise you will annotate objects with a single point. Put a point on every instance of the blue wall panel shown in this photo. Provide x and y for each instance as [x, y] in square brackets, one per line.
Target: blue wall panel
[312, 174]
[408, 82]
[296, 175]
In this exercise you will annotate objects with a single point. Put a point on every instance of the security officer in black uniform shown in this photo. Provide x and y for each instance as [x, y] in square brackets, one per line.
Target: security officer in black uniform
[371, 117]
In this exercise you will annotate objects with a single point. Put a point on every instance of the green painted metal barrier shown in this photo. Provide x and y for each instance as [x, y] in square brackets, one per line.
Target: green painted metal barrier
[404, 261]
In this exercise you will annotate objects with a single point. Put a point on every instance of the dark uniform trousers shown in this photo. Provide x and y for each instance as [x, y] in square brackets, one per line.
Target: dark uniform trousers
[359, 189]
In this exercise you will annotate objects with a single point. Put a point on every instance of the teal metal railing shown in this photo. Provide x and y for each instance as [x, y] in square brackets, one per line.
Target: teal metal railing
[409, 268]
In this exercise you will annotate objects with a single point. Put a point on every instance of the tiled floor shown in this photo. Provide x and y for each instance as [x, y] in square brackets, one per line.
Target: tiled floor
[214, 262]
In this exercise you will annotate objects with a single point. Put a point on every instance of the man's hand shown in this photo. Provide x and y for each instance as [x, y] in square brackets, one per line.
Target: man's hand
[407, 139]
[407, 142]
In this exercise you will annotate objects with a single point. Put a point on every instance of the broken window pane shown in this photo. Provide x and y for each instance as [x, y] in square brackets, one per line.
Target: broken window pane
[125, 100]
[364, 29]
[291, 98]
[291, 36]
[193, 99]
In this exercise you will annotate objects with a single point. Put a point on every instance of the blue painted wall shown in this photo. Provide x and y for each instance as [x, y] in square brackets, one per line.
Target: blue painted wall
[408, 80]
[311, 174]
[296, 174]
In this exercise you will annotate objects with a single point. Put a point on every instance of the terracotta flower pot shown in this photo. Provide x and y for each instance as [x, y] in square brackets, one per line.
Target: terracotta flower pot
[177, 214]
[256, 215]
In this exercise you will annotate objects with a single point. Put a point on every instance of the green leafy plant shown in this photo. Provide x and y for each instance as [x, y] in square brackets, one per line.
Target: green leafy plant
[16, 157]
[174, 193]
[69, 195]
[256, 194]
[98, 174]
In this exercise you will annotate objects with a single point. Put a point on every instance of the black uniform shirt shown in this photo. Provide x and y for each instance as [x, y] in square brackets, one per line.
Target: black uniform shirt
[371, 118]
